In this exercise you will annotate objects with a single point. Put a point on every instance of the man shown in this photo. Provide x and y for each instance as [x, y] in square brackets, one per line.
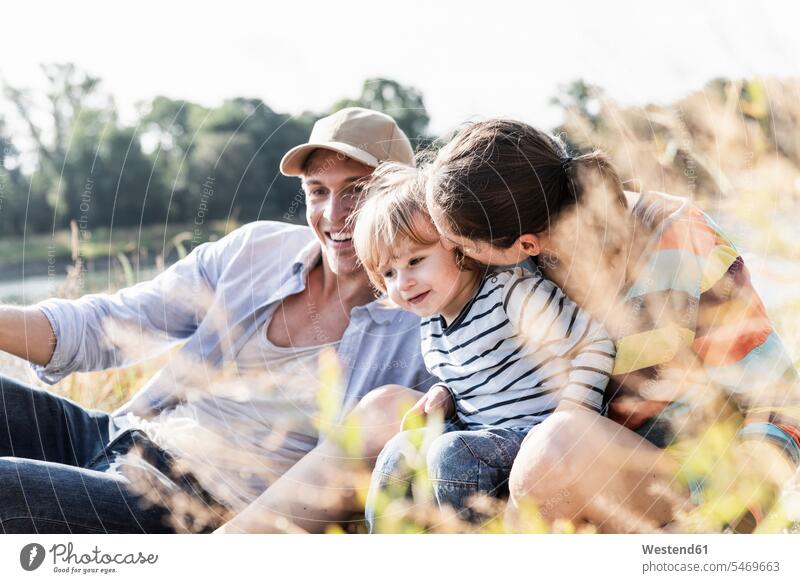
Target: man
[267, 297]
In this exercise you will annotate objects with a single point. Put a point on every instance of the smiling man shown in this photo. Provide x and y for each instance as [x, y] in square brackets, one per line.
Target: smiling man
[269, 297]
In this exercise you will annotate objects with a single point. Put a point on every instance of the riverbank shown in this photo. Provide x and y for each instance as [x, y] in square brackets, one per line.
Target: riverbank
[36, 253]
[37, 266]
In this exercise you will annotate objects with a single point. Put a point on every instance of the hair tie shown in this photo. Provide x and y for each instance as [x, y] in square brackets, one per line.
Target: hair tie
[565, 163]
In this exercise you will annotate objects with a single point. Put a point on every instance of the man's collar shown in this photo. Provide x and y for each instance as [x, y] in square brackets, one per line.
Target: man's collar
[308, 257]
[380, 312]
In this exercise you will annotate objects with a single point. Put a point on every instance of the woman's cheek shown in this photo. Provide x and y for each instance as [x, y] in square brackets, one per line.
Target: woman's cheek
[487, 257]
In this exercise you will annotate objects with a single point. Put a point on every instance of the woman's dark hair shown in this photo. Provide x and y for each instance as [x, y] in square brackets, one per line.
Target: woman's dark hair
[499, 179]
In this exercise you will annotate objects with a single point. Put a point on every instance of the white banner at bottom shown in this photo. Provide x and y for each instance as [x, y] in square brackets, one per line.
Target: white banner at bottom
[397, 558]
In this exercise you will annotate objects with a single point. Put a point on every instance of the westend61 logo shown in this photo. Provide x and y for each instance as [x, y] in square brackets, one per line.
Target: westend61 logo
[66, 560]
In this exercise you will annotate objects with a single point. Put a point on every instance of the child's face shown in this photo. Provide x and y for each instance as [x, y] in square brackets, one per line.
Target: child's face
[425, 279]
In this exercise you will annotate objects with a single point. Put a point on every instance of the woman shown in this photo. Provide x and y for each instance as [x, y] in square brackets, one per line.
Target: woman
[694, 343]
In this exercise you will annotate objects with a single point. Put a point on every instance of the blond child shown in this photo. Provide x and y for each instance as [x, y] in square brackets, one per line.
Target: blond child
[507, 346]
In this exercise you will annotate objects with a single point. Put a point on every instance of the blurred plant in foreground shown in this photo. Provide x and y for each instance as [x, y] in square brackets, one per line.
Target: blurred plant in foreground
[733, 148]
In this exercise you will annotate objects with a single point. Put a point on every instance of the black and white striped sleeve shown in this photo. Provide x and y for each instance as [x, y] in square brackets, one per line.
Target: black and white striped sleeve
[549, 321]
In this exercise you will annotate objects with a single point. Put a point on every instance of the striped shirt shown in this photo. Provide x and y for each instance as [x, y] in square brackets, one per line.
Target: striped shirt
[518, 348]
[692, 306]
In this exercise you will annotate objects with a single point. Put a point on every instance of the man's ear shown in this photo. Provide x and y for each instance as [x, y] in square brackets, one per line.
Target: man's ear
[529, 244]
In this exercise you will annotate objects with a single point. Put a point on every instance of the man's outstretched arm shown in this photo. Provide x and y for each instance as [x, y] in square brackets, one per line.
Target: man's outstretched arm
[26, 333]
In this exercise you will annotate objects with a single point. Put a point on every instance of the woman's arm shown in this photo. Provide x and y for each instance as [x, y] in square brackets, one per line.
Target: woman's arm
[699, 326]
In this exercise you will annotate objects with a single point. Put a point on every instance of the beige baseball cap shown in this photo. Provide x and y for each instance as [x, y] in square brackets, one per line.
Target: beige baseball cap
[367, 136]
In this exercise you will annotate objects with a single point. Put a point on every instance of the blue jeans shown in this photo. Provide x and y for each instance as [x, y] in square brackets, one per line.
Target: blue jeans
[460, 464]
[54, 457]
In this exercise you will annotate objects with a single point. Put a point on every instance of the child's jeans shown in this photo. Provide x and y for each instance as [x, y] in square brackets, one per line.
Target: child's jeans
[459, 464]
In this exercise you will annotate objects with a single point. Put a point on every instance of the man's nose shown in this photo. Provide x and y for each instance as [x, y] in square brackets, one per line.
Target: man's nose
[338, 209]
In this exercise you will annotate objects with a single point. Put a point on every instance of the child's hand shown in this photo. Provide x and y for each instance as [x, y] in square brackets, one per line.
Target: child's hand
[437, 398]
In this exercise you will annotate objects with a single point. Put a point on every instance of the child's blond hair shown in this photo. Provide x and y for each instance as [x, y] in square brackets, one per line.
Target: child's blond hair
[394, 209]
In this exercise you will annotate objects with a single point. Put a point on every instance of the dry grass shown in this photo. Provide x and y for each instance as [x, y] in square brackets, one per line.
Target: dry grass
[735, 149]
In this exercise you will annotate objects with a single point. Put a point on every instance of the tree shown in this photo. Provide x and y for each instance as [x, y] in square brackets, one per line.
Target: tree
[182, 162]
[171, 127]
[231, 152]
[22, 206]
[77, 120]
[245, 141]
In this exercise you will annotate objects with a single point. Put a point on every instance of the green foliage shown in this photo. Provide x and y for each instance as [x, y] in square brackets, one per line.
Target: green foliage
[180, 162]
[754, 100]
[330, 391]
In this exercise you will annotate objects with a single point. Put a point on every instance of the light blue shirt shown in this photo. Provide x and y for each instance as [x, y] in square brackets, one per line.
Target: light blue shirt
[213, 300]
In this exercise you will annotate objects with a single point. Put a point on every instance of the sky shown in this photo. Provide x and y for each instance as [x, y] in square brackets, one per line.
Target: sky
[469, 59]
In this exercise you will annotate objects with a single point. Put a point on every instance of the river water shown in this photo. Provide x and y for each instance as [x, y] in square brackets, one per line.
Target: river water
[32, 289]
